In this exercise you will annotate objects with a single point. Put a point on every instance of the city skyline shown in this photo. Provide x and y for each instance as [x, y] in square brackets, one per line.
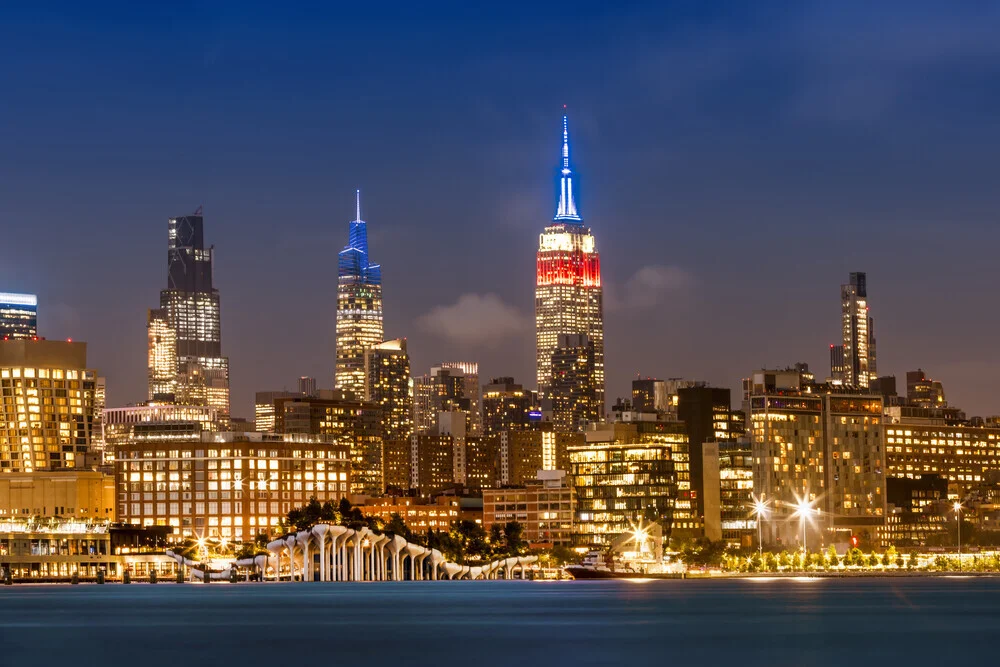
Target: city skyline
[711, 228]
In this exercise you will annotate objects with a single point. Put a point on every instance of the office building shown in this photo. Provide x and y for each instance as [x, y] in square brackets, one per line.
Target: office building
[190, 310]
[921, 391]
[708, 417]
[940, 441]
[18, 316]
[265, 419]
[387, 384]
[636, 428]
[858, 363]
[618, 487]
[573, 388]
[162, 362]
[354, 424]
[568, 292]
[48, 414]
[359, 307]
[234, 486]
[727, 474]
[543, 507]
[825, 447]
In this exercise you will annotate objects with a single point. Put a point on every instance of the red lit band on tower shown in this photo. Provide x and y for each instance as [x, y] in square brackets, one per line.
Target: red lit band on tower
[568, 268]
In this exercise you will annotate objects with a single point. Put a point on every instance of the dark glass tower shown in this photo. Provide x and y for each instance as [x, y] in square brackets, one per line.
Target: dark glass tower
[191, 308]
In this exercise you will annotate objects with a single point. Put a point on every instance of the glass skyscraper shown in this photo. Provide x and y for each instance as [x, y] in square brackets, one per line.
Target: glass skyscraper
[359, 307]
[18, 315]
[858, 367]
[568, 295]
[185, 332]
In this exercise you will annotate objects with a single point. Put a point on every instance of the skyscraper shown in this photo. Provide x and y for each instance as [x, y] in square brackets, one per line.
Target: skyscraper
[387, 384]
[18, 315]
[162, 357]
[190, 309]
[859, 339]
[568, 295]
[573, 391]
[359, 306]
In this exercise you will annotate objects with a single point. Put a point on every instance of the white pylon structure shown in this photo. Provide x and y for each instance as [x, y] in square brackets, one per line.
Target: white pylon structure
[328, 552]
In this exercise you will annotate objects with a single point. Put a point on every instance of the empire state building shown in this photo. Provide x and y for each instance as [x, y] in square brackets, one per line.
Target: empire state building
[568, 295]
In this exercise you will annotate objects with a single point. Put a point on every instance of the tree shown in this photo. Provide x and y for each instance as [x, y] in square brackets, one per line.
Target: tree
[397, 526]
[831, 555]
[513, 535]
[562, 555]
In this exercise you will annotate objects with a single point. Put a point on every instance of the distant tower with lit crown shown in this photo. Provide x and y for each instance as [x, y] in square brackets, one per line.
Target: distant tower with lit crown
[359, 307]
[568, 294]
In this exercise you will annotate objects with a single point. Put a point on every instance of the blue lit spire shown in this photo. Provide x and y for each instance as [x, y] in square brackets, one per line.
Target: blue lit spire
[566, 212]
[352, 261]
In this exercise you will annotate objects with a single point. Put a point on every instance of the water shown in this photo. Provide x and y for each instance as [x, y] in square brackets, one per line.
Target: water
[884, 622]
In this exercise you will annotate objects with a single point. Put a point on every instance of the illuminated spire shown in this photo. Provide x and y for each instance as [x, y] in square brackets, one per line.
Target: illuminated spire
[567, 204]
[357, 199]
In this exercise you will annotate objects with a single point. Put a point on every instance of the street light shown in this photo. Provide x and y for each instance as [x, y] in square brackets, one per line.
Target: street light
[803, 509]
[760, 511]
[958, 524]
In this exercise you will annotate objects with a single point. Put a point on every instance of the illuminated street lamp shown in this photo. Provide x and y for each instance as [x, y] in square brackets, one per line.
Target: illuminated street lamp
[760, 511]
[803, 510]
[958, 521]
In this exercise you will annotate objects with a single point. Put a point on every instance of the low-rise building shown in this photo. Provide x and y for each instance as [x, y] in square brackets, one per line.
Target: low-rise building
[227, 485]
[55, 550]
[84, 495]
[418, 515]
[543, 507]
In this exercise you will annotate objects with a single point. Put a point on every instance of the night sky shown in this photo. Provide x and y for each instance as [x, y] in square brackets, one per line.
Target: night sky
[735, 163]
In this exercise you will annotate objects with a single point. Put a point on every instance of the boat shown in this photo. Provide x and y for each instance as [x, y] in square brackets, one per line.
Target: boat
[596, 565]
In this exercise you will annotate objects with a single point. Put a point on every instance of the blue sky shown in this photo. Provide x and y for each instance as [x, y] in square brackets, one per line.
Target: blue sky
[736, 162]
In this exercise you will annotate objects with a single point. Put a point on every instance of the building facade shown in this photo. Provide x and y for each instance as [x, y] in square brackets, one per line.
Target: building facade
[543, 507]
[568, 293]
[617, 487]
[471, 391]
[354, 424]
[48, 413]
[264, 415]
[86, 495]
[507, 406]
[359, 307]
[387, 384]
[190, 310]
[18, 316]
[824, 449]
[226, 485]
[573, 389]
[927, 441]
[858, 365]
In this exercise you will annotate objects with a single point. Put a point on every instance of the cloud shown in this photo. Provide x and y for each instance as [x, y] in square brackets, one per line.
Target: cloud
[475, 319]
[651, 284]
